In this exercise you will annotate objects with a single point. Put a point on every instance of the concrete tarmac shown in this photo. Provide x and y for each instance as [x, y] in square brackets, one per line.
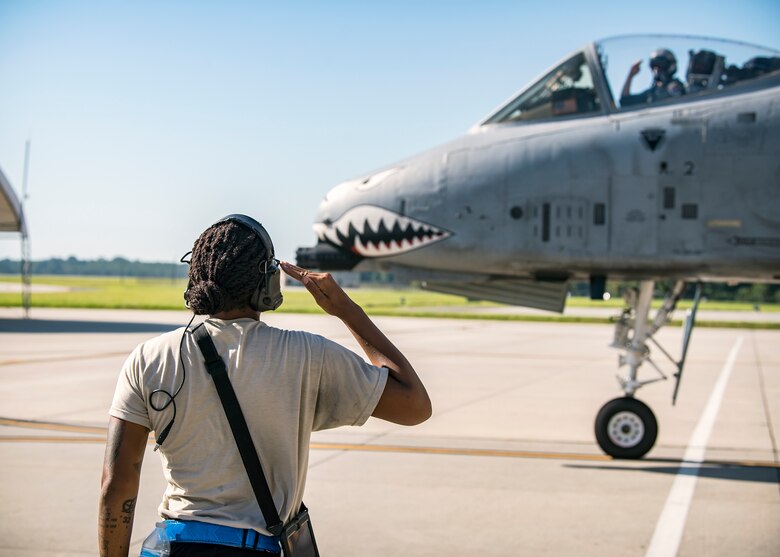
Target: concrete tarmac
[507, 465]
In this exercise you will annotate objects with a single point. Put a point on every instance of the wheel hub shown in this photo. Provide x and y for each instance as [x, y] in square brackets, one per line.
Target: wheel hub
[625, 429]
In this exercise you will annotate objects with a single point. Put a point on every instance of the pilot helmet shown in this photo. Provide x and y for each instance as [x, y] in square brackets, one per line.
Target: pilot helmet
[665, 61]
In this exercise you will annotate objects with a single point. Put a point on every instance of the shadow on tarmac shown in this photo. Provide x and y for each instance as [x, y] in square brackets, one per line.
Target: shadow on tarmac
[718, 471]
[56, 326]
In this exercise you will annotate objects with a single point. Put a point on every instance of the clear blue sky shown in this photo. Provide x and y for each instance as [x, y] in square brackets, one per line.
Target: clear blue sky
[150, 119]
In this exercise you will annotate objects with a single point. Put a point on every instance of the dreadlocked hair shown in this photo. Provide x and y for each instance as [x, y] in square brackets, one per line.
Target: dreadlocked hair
[224, 269]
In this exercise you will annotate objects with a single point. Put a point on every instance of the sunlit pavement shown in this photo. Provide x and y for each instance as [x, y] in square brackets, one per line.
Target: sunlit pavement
[506, 466]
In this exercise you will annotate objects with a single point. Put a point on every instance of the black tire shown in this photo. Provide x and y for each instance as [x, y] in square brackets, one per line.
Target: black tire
[626, 428]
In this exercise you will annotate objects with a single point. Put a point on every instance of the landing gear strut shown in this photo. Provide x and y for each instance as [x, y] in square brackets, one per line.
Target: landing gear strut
[626, 427]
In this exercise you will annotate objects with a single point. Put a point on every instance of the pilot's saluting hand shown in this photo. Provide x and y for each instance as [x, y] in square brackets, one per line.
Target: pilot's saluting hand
[626, 92]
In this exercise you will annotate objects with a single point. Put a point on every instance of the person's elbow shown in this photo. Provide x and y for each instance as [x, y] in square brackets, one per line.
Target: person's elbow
[118, 479]
[404, 404]
[423, 409]
[414, 412]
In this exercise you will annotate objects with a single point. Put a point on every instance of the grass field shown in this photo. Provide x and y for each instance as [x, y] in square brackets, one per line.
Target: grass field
[142, 293]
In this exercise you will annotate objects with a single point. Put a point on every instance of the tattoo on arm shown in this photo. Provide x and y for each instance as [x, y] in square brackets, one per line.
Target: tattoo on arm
[119, 486]
[107, 521]
[128, 506]
[107, 525]
[128, 509]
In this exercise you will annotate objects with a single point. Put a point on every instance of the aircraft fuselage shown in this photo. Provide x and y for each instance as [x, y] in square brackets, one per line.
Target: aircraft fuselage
[687, 190]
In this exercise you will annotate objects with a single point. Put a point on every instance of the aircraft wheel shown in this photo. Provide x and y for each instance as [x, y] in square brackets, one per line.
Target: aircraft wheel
[626, 428]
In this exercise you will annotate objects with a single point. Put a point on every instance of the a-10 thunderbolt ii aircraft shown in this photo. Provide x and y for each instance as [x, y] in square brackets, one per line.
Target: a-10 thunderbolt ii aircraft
[636, 158]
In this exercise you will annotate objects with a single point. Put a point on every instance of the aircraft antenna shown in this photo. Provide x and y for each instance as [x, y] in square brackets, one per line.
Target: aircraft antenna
[26, 262]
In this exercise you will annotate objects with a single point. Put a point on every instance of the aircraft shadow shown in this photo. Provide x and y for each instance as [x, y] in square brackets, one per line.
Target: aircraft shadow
[62, 326]
[718, 471]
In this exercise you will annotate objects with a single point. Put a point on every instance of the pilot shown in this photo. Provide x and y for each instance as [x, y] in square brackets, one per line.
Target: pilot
[292, 382]
[665, 85]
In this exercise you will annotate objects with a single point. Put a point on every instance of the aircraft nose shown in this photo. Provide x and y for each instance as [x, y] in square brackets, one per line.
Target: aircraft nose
[358, 220]
[327, 254]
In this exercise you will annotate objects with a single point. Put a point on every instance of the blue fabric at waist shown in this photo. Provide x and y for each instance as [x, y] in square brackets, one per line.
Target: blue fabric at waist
[203, 532]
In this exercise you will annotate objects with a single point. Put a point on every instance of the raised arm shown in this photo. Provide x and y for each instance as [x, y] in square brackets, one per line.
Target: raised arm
[635, 67]
[119, 486]
[405, 400]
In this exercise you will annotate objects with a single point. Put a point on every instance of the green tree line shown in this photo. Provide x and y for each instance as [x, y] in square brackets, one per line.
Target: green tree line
[116, 267]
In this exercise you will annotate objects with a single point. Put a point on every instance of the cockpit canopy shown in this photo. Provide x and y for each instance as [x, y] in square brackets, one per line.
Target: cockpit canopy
[596, 79]
[567, 89]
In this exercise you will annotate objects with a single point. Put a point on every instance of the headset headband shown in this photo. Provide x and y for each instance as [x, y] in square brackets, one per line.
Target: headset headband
[255, 227]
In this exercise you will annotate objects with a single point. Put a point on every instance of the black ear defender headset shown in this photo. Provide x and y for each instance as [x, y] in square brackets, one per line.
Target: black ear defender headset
[267, 297]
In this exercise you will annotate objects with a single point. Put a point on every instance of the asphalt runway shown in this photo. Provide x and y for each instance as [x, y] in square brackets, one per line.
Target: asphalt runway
[507, 465]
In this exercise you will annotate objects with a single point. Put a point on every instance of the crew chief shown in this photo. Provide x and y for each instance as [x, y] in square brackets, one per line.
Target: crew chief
[289, 383]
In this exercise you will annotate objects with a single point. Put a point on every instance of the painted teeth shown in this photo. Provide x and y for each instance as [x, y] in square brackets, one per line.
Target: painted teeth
[379, 249]
[343, 227]
[372, 231]
[326, 233]
[373, 219]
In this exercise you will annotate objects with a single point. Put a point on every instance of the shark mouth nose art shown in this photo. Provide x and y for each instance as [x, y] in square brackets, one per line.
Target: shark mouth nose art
[372, 231]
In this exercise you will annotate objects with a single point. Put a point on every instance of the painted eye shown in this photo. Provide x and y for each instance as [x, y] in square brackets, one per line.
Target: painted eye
[375, 179]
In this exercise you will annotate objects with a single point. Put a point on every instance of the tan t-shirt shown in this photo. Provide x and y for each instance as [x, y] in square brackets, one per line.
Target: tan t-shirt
[288, 383]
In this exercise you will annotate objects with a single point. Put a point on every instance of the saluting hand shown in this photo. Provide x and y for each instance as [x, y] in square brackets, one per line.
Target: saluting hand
[326, 291]
[404, 399]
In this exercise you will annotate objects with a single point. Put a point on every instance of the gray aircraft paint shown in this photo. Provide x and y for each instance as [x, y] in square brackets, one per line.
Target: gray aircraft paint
[687, 189]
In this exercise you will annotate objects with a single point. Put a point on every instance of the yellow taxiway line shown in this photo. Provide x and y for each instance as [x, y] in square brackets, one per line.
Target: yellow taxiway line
[74, 357]
[456, 451]
[100, 433]
[52, 426]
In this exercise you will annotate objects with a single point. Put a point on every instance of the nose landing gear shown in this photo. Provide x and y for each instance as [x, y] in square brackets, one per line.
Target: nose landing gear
[626, 427]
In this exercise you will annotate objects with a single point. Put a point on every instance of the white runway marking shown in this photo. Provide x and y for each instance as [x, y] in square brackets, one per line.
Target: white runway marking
[671, 524]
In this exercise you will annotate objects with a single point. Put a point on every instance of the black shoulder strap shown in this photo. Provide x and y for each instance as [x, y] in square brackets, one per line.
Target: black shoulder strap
[216, 368]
